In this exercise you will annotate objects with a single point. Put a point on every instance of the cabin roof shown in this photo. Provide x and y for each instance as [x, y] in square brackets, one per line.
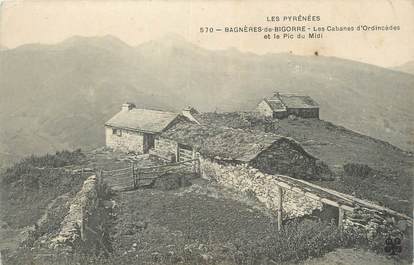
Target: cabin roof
[282, 101]
[145, 120]
[223, 142]
[297, 101]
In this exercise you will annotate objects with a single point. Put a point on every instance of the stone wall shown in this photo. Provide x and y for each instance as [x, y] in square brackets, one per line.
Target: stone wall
[304, 112]
[165, 148]
[374, 223]
[264, 109]
[128, 141]
[85, 202]
[247, 179]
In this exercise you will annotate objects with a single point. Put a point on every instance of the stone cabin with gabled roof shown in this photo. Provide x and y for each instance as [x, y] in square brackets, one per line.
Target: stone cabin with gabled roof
[135, 130]
[270, 153]
[282, 105]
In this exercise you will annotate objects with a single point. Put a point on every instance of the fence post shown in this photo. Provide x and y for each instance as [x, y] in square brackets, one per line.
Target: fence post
[101, 176]
[133, 175]
[177, 153]
[279, 208]
[193, 163]
[137, 178]
[98, 182]
[198, 165]
[340, 219]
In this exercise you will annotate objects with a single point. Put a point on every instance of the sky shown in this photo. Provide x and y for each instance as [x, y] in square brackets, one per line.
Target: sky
[135, 22]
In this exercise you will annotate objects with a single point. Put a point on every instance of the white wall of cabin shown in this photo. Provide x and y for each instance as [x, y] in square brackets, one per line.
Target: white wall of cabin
[129, 141]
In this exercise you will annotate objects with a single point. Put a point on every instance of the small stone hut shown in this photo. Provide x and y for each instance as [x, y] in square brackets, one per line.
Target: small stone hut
[282, 105]
[272, 154]
[134, 130]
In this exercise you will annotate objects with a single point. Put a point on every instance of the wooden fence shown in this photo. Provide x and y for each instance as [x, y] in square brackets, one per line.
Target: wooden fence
[135, 176]
[145, 176]
[118, 179]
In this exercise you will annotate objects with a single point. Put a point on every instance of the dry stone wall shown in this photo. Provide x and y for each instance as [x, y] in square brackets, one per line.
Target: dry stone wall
[373, 223]
[247, 179]
[84, 204]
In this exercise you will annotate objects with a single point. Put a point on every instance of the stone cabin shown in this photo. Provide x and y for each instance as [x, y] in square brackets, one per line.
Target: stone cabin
[282, 105]
[271, 154]
[135, 130]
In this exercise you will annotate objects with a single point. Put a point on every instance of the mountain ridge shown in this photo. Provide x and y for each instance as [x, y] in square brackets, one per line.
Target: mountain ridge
[407, 67]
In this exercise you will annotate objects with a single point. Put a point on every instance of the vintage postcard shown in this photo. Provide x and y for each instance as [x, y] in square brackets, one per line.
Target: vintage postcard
[206, 132]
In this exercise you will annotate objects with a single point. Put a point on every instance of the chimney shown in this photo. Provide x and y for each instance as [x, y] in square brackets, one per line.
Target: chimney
[188, 112]
[276, 94]
[127, 106]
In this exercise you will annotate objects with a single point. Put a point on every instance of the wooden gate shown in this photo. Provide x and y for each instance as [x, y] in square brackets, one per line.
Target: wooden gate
[185, 153]
[146, 176]
[119, 179]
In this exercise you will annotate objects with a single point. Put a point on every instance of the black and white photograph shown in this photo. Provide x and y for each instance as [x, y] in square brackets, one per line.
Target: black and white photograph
[233, 132]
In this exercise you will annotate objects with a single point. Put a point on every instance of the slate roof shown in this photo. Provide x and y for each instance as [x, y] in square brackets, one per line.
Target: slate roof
[292, 101]
[144, 120]
[275, 104]
[223, 142]
[296, 101]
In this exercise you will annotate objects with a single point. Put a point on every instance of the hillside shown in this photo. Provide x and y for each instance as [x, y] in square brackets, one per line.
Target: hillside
[406, 68]
[58, 96]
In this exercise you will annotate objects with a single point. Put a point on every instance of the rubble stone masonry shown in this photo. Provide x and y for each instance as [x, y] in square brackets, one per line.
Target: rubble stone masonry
[244, 178]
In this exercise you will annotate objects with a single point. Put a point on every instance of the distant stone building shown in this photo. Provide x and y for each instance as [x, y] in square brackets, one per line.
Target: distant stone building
[282, 105]
[134, 130]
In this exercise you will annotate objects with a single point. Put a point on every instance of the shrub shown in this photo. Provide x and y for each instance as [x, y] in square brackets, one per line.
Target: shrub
[357, 170]
[322, 170]
[60, 159]
[27, 165]
[298, 240]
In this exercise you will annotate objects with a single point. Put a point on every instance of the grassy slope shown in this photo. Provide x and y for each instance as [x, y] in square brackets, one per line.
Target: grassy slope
[337, 146]
[193, 227]
[27, 190]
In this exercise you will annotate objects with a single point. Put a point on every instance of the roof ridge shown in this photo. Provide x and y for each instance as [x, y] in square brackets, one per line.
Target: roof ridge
[154, 110]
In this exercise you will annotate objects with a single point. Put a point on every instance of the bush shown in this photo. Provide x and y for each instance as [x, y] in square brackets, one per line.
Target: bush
[27, 165]
[298, 240]
[322, 170]
[60, 159]
[357, 170]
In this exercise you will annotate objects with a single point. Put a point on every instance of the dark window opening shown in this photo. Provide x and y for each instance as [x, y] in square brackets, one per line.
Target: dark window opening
[117, 132]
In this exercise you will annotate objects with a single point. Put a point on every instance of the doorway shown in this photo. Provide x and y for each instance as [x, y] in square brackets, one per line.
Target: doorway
[148, 142]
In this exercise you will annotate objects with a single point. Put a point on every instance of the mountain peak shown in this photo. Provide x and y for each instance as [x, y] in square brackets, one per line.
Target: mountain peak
[173, 38]
[99, 41]
[170, 41]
